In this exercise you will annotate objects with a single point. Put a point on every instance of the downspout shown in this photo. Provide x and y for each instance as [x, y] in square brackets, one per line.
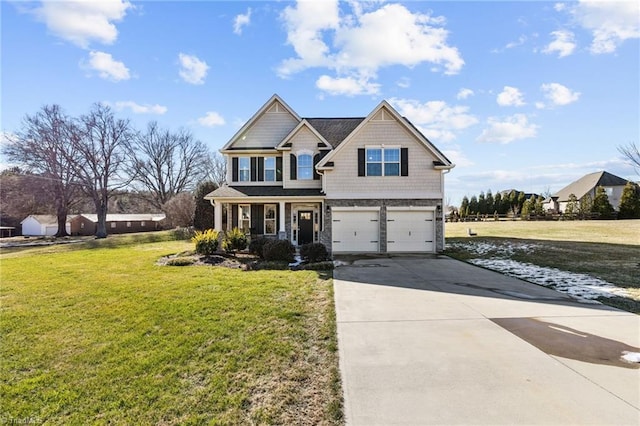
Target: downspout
[444, 172]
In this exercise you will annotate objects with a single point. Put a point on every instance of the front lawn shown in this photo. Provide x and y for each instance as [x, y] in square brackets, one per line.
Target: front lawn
[104, 335]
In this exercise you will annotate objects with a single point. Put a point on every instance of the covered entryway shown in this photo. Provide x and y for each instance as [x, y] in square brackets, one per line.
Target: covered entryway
[355, 230]
[305, 227]
[410, 229]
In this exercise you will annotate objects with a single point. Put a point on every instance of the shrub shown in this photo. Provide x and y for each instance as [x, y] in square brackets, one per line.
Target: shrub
[234, 240]
[314, 252]
[206, 242]
[281, 250]
[257, 245]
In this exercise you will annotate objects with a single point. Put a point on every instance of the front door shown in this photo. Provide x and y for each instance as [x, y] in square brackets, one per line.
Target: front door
[305, 227]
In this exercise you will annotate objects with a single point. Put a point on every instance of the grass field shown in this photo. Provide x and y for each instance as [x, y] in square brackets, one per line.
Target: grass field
[103, 335]
[609, 250]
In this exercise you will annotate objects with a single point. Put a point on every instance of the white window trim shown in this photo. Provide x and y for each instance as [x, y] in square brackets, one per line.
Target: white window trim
[241, 169]
[298, 155]
[382, 162]
[265, 169]
[274, 220]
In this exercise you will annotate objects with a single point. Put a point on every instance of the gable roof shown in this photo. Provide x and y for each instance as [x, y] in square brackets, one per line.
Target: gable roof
[275, 98]
[44, 219]
[443, 161]
[586, 183]
[335, 130]
[285, 144]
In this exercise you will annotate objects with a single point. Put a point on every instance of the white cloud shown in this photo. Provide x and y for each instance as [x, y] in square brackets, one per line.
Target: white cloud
[457, 156]
[107, 67]
[508, 129]
[83, 21]
[510, 96]
[564, 43]
[404, 82]
[610, 22]
[464, 93]
[241, 21]
[438, 121]
[558, 94]
[192, 69]
[140, 109]
[357, 45]
[349, 86]
[211, 119]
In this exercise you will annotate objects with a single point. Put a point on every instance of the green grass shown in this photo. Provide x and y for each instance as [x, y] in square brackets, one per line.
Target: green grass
[103, 335]
[609, 250]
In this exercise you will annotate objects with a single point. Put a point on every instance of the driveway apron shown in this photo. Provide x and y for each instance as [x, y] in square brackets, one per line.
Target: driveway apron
[434, 341]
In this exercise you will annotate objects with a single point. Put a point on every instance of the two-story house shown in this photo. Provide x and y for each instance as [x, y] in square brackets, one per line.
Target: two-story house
[372, 184]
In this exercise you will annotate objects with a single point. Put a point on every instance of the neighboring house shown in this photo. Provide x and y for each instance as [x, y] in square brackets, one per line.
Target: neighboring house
[587, 185]
[86, 224]
[42, 225]
[372, 184]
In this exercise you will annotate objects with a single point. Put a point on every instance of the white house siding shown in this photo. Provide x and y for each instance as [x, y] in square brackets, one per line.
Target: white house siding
[268, 130]
[31, 226]
[423, 181]
[303, 140]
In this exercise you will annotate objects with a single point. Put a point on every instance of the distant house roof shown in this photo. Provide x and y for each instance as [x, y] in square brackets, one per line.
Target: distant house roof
[45, 219]
[586, 183]
[126, 217]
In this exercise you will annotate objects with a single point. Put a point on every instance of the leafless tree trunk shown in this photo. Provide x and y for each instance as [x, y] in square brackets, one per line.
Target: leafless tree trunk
[217, 169]
[165, 163]
[632, 153]
[44, 146]
[101, 142]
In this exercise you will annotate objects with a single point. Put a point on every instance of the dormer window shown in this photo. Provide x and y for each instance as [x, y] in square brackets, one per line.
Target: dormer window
[305, 167]
[244, 169]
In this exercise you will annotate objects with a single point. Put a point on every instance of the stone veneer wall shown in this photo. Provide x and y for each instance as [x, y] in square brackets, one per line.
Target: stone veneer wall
[325, 236]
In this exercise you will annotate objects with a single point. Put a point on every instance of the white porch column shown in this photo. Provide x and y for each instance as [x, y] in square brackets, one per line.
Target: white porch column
[282, 234]
[217, 215]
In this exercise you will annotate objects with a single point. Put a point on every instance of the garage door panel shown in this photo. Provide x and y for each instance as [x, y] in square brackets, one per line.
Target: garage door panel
[355, 231]
[410, 231]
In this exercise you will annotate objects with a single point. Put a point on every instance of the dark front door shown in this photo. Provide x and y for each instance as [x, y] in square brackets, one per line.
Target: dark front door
[305, 227]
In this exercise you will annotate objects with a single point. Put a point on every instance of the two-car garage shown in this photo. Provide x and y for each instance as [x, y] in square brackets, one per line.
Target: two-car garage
[409, 229]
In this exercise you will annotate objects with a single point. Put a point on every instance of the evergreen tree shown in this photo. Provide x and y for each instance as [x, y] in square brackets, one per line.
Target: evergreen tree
[630, 202]
[489, 201]
[572, 205]
[482, 204]
[601, 204]
[464, 207]
[539, 206]
[497, 203]
[527, 208]
[473, 205]
[203, 217]
[585, 206]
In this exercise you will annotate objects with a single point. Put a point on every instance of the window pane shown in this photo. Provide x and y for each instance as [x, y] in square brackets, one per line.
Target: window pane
[244, 164]
[392, 169]
[304, 160]
[270, 162]
[374, 169]
[245, 175]
[270, 227]
[374, 155]
[305, 173]
[270, 212]
[305, 167]
[392, 155]
[270, 175]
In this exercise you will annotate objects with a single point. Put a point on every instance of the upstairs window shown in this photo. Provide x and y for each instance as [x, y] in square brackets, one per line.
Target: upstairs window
[305, 167]
[383, 161]
[270, 169]
[244, 169]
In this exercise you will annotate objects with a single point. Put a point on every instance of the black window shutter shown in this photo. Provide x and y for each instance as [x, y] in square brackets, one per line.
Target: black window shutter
[260, 169]
[316, 158]
[257, 219]
[404, 161]
[254, 168]
[234, 216]
[234, 168]
[361, 162]
[293, 167]
[279, 169]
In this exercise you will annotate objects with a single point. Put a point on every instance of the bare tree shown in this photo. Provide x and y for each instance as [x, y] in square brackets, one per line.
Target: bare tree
[180, 210]
[101, 141]
[44, 147]
[217, 169]
[632, 153]
[166, 163]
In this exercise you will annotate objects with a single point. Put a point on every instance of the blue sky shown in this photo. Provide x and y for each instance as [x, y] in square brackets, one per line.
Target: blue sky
[526, 95]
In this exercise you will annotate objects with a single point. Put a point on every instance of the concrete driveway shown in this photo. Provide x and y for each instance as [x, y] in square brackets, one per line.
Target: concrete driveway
[433, 341]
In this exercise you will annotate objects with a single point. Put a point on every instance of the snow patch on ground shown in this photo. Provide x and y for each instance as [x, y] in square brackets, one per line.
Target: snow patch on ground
[579, 286]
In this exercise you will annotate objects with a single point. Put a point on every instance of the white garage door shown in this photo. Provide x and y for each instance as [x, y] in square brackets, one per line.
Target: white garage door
[410, 231]
[355, 231]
